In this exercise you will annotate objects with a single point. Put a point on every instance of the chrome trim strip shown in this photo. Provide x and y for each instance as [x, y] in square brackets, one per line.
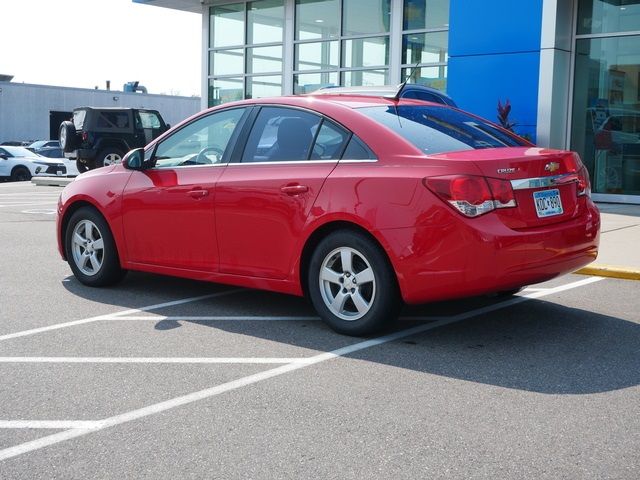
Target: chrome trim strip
[283, 162]
[359, 161]
[539, 182]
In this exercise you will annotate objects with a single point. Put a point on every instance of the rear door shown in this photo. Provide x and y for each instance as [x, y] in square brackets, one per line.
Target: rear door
[263, 199]
[168, 210]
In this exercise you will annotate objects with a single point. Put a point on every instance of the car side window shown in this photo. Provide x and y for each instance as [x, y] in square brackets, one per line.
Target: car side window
[148, 120]
[116, 120]
[202, 142]
[5, 153]
[329, 142]
[281, 134]
[357, 150]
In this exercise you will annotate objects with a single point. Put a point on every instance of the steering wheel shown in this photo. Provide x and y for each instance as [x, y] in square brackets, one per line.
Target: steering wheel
[202, 157]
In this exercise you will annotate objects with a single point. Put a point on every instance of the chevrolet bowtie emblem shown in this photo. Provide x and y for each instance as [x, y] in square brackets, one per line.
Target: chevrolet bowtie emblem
[551, 167]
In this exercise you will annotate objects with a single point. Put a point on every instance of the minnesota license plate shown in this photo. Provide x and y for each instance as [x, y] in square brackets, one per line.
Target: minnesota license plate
[547, 203]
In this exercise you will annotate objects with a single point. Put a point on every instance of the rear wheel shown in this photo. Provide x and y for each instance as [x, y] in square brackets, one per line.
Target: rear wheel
[352, 285]
[20, 174]
[91, 250]
[109, 156]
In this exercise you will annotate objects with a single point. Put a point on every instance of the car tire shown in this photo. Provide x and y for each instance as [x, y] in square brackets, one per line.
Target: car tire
[352, 284]
[81, 166]
[67, 136]
[109, 156]
[20, 174]
[91, 250]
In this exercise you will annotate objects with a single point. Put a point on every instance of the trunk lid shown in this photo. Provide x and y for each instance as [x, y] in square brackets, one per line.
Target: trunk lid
[531, 171]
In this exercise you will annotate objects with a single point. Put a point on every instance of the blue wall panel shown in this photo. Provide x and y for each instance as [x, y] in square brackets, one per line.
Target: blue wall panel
[494, 54]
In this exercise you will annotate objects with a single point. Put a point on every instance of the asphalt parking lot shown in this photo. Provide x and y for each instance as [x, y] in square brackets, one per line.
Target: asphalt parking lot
[167, 378]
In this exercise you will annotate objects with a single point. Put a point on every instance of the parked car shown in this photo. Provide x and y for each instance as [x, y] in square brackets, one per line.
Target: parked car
[98, 137]
[40, 144]
[19, 164]
[361, 203]
[55, 153]
[409, 90]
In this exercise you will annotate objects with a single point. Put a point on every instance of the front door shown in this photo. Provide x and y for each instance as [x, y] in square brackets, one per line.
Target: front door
[263, 200]
[168, 210]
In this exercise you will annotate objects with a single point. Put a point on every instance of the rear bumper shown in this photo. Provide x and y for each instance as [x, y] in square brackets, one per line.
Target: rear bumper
[456, 257]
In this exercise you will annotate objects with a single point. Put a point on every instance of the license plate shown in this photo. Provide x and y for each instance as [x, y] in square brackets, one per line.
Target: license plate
[547, 203]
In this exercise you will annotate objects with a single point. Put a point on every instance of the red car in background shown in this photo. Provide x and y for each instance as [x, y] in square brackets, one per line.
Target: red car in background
[360, 202]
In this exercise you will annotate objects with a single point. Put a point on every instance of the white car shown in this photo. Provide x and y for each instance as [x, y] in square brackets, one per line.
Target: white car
[19, 164]
[55, 153]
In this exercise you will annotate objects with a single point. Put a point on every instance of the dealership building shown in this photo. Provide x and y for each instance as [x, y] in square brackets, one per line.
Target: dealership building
[569, 68]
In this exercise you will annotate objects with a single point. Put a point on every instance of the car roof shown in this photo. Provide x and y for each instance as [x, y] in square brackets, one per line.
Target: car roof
[349, 101]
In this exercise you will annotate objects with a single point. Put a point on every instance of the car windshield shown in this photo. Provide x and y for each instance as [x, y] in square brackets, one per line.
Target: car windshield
[20, 152]
[38, 144]
[434, 129]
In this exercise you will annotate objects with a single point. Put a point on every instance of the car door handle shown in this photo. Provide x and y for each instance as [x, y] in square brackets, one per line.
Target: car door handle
[294, 189]
[198, 193]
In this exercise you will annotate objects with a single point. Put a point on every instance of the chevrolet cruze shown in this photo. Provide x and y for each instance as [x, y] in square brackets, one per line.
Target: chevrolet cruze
[361, 203]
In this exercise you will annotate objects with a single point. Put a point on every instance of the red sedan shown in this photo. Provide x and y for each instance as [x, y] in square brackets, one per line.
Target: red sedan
[359, 202]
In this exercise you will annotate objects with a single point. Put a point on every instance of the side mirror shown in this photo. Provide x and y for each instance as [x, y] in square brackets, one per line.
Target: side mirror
[167, 127]
[134, 160]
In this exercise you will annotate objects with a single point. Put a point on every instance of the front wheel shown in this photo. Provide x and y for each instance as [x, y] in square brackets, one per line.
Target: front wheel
[91, 250]
[20, 174]
[352, 284]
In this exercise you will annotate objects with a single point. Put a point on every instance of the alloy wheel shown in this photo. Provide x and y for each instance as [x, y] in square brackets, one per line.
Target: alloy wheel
[88, 247]
[347, 283]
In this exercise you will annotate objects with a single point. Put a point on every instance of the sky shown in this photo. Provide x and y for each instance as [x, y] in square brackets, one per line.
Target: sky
[83, 43]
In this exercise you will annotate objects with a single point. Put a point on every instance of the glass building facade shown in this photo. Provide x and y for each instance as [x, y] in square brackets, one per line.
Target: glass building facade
[570, 68]
[272, 47]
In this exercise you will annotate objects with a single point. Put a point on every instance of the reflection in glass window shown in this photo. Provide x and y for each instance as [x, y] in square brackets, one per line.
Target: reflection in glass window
[202, 142]
[226, 25]
[310, 82]
[607, 16]
[357, 150]
[359, 78]
[366, 52]
[225, 90]
[280, 134]
[316, 19]
[605, 129]
[434, 77]
[425, 48]
[266, 21]
[264, 59]
[316, 56]
[426, 14]
[226, 62]
[329, 142]
[264, 86]
[360, 17]
[148, 120]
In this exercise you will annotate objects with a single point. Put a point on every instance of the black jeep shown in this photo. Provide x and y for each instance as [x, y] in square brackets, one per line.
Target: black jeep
[101, 136]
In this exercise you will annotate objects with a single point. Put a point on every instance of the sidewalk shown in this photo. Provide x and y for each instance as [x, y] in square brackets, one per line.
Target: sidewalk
[619, 254]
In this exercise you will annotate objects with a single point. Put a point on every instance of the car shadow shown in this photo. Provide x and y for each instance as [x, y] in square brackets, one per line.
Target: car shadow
[537, 346]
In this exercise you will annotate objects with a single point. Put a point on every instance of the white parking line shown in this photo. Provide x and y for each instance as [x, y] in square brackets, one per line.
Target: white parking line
[214, 318]
[26, 204]
[274, 372]
[186, 360]
[111, 316]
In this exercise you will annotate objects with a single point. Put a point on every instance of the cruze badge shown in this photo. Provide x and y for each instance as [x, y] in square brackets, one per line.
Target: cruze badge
[551, 167]
[507, 170]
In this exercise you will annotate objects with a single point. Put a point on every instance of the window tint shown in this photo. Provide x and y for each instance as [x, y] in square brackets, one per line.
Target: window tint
[202, 142]
[357, 150]
[435, 129]
[281, 134]
[119, 120]
[329, 142]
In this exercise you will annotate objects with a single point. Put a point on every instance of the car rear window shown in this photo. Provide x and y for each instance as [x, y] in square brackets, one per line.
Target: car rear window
[435, 129]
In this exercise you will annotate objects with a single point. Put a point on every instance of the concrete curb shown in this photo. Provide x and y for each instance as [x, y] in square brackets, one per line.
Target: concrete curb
[613, 271]
[51, 181]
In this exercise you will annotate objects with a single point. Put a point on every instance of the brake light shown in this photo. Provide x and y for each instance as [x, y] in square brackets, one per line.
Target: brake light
[584, 184]
[472, 195]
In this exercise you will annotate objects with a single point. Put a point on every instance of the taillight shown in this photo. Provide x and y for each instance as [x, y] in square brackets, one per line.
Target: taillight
[584, 185]
[472, 195]
[85, 136]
